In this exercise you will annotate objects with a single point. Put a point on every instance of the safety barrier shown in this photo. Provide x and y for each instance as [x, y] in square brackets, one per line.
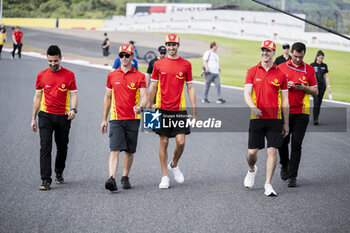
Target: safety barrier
[246, 25]
[30, 22]
[87, 24]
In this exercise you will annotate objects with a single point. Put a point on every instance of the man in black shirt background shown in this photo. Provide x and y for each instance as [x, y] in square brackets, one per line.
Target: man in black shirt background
[161, 55]
[285, 55]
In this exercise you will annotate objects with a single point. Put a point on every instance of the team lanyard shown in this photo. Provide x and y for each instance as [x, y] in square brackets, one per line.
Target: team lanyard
[304, 71]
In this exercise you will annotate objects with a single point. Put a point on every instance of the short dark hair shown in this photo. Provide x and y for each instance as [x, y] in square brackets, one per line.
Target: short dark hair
[105, 34]
[54, 50]
[212, 44]
[299, 47]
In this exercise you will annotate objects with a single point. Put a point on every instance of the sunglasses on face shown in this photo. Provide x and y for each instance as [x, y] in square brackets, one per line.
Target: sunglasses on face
[265, 50]
[121, 55]
[162, 53]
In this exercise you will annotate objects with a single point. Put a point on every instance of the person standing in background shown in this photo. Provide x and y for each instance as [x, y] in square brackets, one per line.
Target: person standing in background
[321, 71]
[17, 39]
[2, 38]
[285, 55]
[2, 26]
[105, 49]
[212, 73]
[161, 55]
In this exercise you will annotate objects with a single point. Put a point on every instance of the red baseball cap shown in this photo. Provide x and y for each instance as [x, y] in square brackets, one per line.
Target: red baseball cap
[172, 38]
[268, 44]
[126, 48]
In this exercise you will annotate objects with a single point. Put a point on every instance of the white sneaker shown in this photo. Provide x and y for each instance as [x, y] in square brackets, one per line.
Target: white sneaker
[178, 176]
[250, 177]
[269, 190]
[164, 183]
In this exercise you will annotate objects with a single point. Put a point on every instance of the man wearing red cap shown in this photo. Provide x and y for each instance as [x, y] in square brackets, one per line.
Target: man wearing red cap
[122, 98]
[169, 76]
[266, 94]
[301, 83]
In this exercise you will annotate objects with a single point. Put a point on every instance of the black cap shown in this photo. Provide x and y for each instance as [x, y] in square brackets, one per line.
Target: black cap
[162, 49]
[285, 46]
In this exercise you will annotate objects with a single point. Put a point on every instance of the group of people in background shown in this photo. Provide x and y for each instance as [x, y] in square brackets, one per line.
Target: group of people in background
[17, 39]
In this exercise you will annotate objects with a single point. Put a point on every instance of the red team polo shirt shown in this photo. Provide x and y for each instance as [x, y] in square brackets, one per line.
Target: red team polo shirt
[266, 92]
[55, 87]
[299, 102]
[171, 75]
[18, 36]
[125, 93]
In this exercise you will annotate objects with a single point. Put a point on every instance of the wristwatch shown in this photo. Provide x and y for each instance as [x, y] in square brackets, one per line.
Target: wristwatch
[74, 109]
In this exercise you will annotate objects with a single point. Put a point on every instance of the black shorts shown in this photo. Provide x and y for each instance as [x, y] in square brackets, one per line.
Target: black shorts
[173, 123]
[105, 52]
[261, 128]
[123, 135]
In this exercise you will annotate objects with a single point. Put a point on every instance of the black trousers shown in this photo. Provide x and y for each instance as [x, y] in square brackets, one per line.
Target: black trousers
[318, 101]
[58, 125]
[297, 128]
[19, 47]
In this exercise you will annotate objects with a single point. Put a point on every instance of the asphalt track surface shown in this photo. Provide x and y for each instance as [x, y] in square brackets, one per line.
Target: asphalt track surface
[77, 45]
[212, 199]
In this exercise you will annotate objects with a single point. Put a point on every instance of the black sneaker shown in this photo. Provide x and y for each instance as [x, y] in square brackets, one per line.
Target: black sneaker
[125, 182]
[45, 185]
[111, 185]
[292, 182]
[316, 122]
[205, 101]
[221, 101]
[284, 172]
[59, 179]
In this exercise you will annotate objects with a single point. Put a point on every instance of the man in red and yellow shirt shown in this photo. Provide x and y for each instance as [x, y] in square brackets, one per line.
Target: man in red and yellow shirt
[301, 83]
[266, 94]
[124, 87]
[17, 39]
[169, 76]
[56, 90]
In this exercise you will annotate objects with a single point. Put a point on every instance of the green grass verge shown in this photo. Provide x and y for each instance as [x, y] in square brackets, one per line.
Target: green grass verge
[247, 54]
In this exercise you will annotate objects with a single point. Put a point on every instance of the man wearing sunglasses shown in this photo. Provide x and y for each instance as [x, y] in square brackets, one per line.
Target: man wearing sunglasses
[172, 73]
[124, 87]
[161, 55]
[117, 63]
